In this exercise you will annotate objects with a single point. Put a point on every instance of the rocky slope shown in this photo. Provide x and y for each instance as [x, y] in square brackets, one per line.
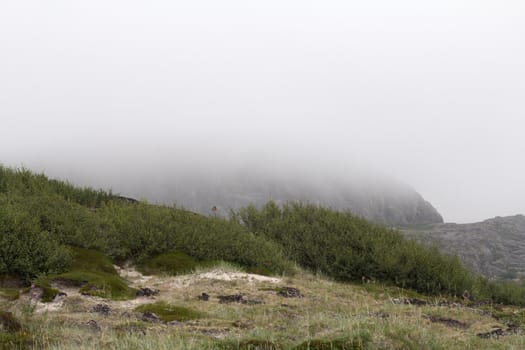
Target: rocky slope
[494, 247]
[384, 202]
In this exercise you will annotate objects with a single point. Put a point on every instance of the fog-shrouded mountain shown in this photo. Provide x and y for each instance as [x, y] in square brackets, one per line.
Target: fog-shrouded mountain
[381, 201]
[494, 247]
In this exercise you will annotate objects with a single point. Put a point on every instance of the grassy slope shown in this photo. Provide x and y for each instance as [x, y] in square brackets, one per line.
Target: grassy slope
[360, 316]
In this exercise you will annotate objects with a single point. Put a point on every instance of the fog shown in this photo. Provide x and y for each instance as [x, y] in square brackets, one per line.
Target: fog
[124, 94]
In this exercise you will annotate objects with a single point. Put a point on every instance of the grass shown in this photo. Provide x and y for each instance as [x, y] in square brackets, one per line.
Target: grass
[172, 263]
[9, 293]
[96, 276]
[167, 312]
[331, 315]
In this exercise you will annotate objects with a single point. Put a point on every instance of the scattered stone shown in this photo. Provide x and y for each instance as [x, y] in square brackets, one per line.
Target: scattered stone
[174, 323]
[498, 332]
[203, 297]
[242, 325]
[228, 299]
[289, 292]
[103, 309]
[93, 326]
[147, 292]
[494, 334]
[447, 321]
[150, 317]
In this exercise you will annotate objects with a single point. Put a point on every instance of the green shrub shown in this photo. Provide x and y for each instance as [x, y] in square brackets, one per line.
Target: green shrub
[349, 248]
[172, 263]
[96, 276]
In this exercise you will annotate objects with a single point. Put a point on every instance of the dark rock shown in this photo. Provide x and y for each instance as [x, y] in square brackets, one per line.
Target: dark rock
[494, 334]
[289, 292]
[93, 326]
[242, 325]
[447, 321]
[147, 292]
[150, 317]
[103, 309]
[203, 297]
[227, 299]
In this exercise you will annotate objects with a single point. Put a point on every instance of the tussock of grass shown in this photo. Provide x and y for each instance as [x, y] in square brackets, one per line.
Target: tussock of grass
[49, 292]
[96, 275]
[167, 312]
[172, 263]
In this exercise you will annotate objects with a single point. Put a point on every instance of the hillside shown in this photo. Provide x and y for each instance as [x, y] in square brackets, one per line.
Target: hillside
[252, 312]
[85, 268]
[494, 247]
[381, 201]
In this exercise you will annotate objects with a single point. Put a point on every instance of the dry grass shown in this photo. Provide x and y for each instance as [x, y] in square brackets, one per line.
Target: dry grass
[328, 311]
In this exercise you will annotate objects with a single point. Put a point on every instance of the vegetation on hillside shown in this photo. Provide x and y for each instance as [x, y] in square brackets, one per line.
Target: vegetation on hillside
[41, 219]
[45, 225]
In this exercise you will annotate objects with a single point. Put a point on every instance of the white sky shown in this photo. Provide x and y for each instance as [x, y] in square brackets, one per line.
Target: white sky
[431, 93]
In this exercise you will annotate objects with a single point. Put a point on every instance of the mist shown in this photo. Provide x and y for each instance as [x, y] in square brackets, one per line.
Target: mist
[130, 95]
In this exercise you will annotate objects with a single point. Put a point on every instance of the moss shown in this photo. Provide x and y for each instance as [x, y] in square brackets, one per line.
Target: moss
[96, 276]
[172, 263]
[168, 313]
[9, 293]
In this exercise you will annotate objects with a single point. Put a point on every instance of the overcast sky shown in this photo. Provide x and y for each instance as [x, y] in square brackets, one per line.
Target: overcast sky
[431, 93]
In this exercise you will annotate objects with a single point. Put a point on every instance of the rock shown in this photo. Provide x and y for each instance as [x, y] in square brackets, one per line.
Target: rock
[496, 333]
[150, 317]
[227, 299]
[147, 292]
[103, 309]
[203, 297]
[447, 321]
[93, 326]
[289, 292]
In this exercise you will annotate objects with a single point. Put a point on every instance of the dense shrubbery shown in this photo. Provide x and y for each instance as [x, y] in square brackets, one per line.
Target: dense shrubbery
[349, 248]
[43, 222]
[39, 218]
